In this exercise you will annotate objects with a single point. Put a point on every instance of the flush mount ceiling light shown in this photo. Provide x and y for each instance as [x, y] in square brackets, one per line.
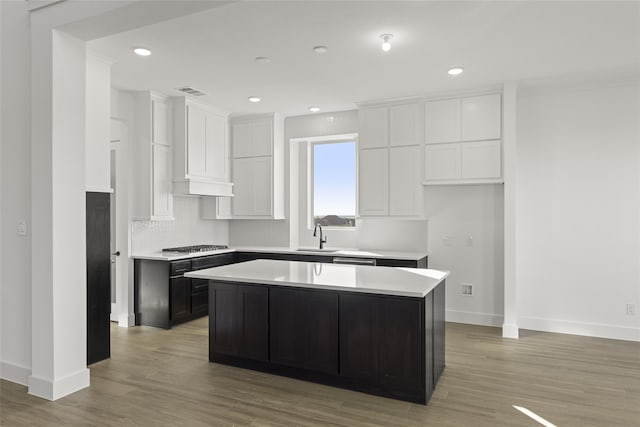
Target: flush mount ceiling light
[262, 59]
[254, 99]
[386, 41]
[455, 71]
[320, 49]
[141, 51]
[314, 109]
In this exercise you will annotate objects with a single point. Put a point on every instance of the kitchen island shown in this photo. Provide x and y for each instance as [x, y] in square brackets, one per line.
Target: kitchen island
[379, 330]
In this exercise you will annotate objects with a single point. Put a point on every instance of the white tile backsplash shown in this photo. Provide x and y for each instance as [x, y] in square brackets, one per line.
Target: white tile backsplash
[186, 229]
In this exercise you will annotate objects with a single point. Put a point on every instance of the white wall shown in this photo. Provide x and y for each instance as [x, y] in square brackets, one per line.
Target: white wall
[186, 229]
[578, 211]
[98, 124]
[15, 271]
[455, 214]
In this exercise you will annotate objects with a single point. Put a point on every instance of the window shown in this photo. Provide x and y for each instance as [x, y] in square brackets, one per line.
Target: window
[333, 184]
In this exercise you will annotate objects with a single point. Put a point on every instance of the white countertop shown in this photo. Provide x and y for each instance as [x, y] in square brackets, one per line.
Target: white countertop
[357, 253]
[409, 282]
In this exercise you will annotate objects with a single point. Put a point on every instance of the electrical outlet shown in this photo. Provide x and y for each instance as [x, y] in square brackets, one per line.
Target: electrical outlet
[22, 228]
[631, 309]
[469, 241]
[466, 289]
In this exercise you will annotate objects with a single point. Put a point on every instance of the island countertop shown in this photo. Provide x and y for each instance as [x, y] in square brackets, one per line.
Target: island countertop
[399, 281]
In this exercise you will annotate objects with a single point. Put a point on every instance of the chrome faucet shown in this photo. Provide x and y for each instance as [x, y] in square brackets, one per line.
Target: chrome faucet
[323, 240]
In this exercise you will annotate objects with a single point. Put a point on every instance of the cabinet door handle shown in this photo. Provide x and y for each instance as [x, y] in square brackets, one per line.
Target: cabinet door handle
[357, 261]
[116, 253]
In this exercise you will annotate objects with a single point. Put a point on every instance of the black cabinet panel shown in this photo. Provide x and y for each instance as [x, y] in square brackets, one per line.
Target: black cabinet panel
[304, 329]
[98, 235]
[239, 321]
[359, 340]
[438, 330]
[213, 261]
[254, 313]
[401, 335]
[178, 268]
[200, 304]
[180, 298]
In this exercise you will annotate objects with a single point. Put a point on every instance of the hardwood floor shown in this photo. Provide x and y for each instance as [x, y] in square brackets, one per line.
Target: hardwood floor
[157, 377]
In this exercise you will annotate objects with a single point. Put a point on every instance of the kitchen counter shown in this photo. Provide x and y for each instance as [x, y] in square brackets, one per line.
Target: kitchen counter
[355, 253]
[410, 282]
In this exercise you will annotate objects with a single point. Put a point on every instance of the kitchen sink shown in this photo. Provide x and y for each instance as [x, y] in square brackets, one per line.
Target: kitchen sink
[316, 250]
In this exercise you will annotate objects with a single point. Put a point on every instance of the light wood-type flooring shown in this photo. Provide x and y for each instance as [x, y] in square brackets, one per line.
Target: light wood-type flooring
[163, 378]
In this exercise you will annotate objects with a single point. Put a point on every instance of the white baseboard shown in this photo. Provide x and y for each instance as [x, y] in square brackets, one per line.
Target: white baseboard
[580, 328]
[15, 373]
[54, 390]
[510, 330]
[473, 318]
[126, 320]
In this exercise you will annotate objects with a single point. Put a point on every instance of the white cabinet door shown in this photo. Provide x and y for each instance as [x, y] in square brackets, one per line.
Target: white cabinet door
[160, 120]
[162, 199]
[262, 178]
[404, 125]
[216, 147]
[242, 203]
[374, 127]
[481, 117]
[480, 160]
[442, 121]
[223, 207]
[196, 142]
[262, 137]
[242, 140]
[373, 182]
[442, 162]
[405, 185]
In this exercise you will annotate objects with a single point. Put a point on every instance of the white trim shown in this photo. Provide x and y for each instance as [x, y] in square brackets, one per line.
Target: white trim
[15, 373]
[473, 318]
[90, 189]
[600, 330]
[463, 182]
[54, 390]
[346, 137]
[510, 330]
[126, 320]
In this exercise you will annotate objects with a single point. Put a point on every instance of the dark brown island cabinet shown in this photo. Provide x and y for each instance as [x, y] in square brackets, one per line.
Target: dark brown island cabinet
[163, 297]
[385, 345]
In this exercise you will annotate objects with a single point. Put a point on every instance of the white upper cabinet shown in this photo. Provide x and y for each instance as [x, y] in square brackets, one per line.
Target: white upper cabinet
[405, 174]
[258, 167]
[374, 127]
[462, 137]
[404, 125]
[153, 199]
[390, 161]
[442, 121]
[481, 117]
[201, 149]
[373, 179]
[480, 160]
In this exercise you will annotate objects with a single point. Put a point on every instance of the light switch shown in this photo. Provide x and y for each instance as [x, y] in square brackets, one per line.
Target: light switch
[22, 228]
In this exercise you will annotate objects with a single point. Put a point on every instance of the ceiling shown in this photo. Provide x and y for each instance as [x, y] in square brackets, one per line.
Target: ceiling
[495, 42]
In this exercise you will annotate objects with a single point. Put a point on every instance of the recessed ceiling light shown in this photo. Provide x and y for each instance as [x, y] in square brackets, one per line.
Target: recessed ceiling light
[320, 49]
[314, 109]
[262, 59]
[254, 99]
[142, 51]
[455, 71]
[386, 41]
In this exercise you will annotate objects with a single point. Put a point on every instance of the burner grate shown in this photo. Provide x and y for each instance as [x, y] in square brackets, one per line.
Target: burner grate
[196, 248]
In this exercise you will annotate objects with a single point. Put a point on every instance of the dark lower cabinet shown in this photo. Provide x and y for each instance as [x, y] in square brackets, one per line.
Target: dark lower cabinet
[438, 295]
[180, 298]
[239, 321]
[98, 276]
[401, 332]
[359, 337]
[199, 297]
[304, 329]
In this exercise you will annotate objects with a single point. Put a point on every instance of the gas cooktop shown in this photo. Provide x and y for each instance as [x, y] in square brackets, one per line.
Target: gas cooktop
[196, 248]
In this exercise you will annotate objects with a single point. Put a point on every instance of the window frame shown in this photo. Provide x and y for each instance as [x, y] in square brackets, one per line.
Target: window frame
[311, 143]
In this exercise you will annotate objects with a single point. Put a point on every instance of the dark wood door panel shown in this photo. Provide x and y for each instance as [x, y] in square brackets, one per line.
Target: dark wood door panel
[288, 327]
[322, 331]
[255, 322]
[223, 319]
[180, 298]
[359, 343]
